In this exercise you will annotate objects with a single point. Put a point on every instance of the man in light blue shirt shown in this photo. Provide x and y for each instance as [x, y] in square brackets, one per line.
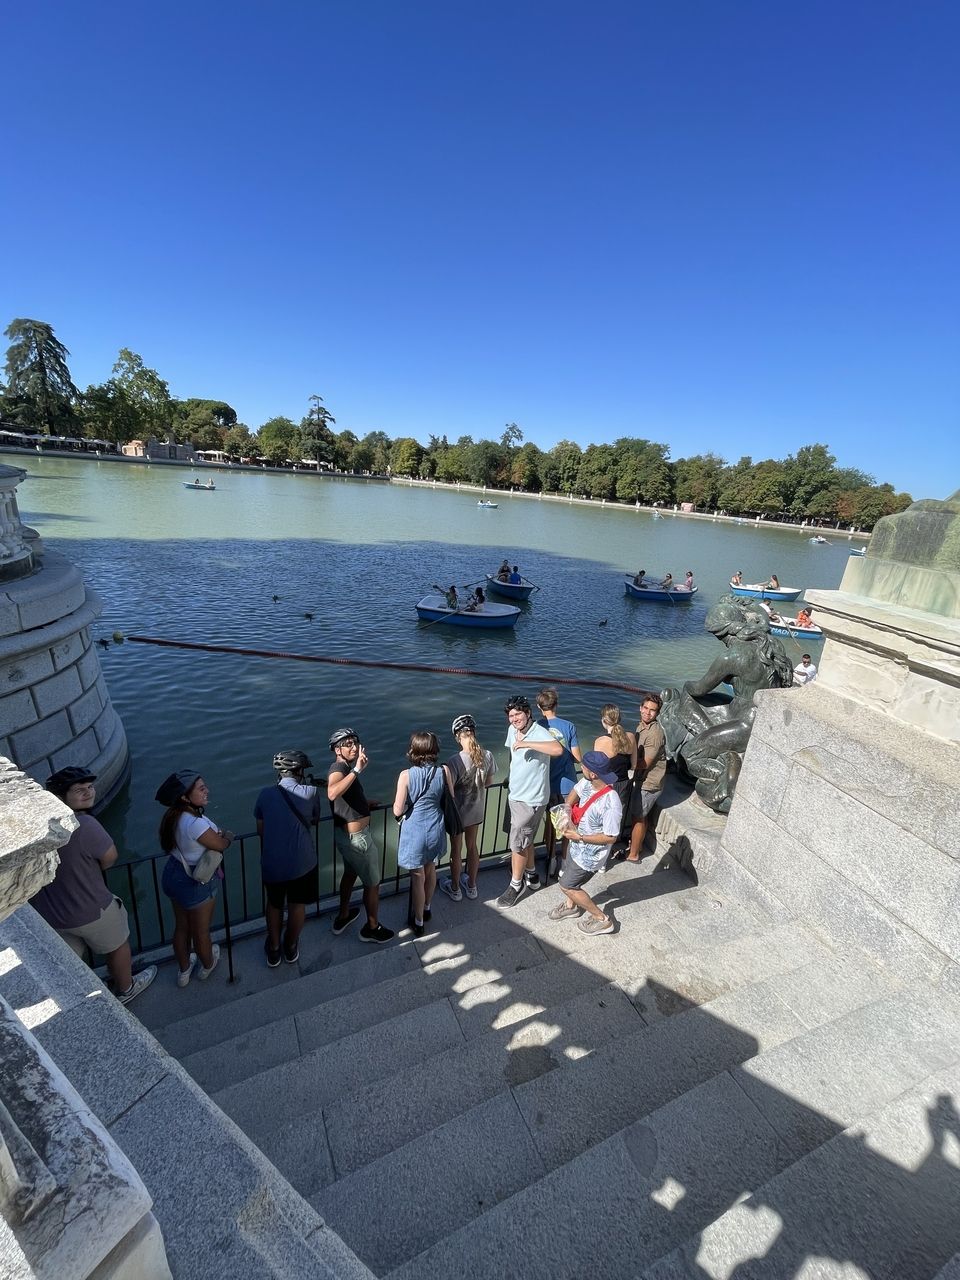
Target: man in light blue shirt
[531, 747]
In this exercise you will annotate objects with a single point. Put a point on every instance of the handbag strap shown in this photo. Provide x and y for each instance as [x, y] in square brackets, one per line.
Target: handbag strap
[293, 808]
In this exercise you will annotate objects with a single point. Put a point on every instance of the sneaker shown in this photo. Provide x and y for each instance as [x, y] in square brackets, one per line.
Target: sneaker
[416, 929]
[204, 974]
[273, 956]
[511, 896]
[346, 921]
[450, 889]
[183, 976]
[593, 925]
[140, 983]
[427, 915]
[291, 952]
[564, 911]
[532, 881]
[380, 934]
[468, 889]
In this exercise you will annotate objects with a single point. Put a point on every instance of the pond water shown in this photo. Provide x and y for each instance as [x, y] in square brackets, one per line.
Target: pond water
[202, 566]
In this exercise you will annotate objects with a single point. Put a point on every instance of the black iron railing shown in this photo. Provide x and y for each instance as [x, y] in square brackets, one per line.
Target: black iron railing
[241, 899]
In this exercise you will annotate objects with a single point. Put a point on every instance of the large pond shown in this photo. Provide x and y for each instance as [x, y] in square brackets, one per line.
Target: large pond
[202, 566]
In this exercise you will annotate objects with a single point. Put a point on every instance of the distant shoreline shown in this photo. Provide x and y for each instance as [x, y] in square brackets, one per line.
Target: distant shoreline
[666, 513]
[498, 495]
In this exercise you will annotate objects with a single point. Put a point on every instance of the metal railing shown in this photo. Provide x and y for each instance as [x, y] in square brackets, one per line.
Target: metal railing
[241, 900]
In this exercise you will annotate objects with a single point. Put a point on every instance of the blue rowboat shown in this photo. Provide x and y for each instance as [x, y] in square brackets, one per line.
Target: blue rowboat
[488, 506]
[201, 488]
[757, 591]
[433, 608]
[510, 590]
[786, 628]
[675, 595]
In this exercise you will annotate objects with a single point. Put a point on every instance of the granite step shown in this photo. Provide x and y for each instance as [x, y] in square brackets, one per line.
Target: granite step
[621, 1083]
[356, 1133]
[362, 1126]
[325, 1013]
[896, 1174]
[617, 1204]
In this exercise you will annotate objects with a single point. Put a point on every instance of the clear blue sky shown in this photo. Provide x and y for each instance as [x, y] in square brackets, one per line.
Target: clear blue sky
[717, 224]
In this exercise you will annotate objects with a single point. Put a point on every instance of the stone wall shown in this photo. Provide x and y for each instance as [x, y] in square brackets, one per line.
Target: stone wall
[54, 705]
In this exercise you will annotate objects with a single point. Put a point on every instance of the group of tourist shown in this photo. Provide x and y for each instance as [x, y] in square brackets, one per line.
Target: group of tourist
[603, 814]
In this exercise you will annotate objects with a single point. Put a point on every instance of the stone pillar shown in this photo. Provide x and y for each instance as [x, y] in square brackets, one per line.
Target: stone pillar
[72, 1207]
[846, 809]
[54, 705]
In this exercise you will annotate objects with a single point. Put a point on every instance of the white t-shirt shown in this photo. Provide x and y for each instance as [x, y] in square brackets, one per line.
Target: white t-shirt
[604, 815]
[187, 848]
[804, 674]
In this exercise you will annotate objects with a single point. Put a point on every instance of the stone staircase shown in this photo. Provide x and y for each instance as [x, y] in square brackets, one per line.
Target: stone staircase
[713, 1090]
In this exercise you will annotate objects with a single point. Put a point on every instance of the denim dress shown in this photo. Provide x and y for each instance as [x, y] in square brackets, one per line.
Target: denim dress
[423, 836]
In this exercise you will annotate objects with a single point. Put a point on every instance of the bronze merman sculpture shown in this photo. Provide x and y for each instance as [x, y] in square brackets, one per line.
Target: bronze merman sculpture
[709, 740]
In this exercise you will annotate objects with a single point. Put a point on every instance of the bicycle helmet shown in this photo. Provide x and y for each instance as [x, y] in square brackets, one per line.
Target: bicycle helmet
[463, 722]
[61, 781]
[292, 761]
[517, 703]
[341, 735]
[176, 785]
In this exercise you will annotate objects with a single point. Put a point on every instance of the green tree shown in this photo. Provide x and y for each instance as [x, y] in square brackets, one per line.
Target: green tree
[806, 473]
[597, 475]
[107, 414]
[379, 443]
[148, 396]
[405, 456]
[525, 468]
[734, 483]
[238, 441]
[565, 457]
[361, 457]
[279, 441]
[697, 479]
[643, 470]
[487, 463]
[316, 439]
[451, 463]
[344, 443]
[39, 391]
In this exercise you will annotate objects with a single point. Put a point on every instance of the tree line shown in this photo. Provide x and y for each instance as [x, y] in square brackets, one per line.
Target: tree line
[134, 402]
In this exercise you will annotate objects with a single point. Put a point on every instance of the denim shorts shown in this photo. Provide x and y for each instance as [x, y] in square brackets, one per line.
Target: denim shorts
[183, 889]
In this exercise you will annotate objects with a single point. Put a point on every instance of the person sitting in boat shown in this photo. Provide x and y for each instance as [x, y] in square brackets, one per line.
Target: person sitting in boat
[737, 579]
[503, 573]
[476, 601]
[450, 595]
[667, 583]
[514, 579]
[773, 584]
[803, 617]
[638, 577]
[688, 580]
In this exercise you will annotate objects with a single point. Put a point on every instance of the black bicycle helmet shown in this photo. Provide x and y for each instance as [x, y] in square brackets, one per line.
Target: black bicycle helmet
[176, 785]
[517, 703]
[292, 761]
[61, 781]
[463, 722]
[341, 735]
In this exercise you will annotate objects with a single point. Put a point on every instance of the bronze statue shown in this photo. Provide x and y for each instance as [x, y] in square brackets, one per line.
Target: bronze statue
[710, 740]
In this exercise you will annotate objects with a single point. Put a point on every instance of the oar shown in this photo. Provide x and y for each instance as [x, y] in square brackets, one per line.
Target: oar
[479, 583]
[453, 613]
[528, 583]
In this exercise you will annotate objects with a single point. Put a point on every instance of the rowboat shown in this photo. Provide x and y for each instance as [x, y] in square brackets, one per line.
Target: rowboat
[788, 627]
[433, 608]
[819, 539]
[510, 590]
[209, 487]
[488, 506]
[858, 551]
[758, 591]
[656, 595]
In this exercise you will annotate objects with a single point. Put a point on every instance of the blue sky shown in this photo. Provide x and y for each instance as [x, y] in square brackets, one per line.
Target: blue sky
[716, 224]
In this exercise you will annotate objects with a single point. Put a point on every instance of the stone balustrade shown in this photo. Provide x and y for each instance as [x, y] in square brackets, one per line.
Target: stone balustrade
[16, 557]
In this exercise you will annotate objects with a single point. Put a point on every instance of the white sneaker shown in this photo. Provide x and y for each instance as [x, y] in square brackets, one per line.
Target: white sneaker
[450, 889]
[465, 882]
[183, 976]
[140, 983]
[204, 974]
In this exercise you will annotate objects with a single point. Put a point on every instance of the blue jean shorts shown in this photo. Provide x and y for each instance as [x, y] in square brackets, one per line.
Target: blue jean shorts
[183, 889]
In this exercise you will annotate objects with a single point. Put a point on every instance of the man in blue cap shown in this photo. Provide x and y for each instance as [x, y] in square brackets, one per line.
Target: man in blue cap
[594, 814]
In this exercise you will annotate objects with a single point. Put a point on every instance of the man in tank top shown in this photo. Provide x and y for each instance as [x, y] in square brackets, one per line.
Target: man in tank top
[352, 836]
